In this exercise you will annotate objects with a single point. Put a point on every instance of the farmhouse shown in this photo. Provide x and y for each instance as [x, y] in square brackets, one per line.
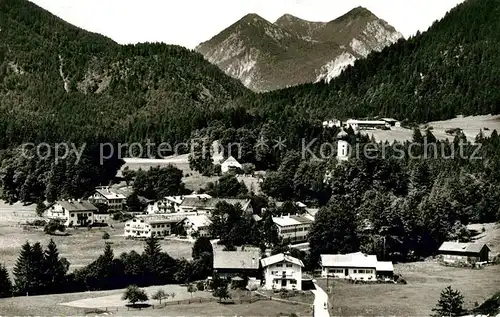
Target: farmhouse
[457, 252]
[295, 228]
[230, 164]
[197, 225]
[151, 226]
[110, 197]
[72, 212]
[201, 204]
[358, 266]
[237, 263]
[282, 271]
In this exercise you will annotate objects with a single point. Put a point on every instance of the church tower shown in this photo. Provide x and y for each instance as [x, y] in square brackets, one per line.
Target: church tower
[342, 146]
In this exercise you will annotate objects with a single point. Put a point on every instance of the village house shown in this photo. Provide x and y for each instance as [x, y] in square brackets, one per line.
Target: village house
[110, 197]
[171, 204]
[152, 226]
[197, 225]
[72, 213]
[282, 271]
[237, 263]
[357, 266]
[230, 164]
[459, 252]
[101, 217]
[207, 205]
[294, 228]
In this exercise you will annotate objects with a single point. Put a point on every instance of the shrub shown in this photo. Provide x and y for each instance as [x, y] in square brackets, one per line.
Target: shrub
[105, 236]
[200, 285]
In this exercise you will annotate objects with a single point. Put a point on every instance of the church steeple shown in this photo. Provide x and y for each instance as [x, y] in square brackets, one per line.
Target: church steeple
[342, 146]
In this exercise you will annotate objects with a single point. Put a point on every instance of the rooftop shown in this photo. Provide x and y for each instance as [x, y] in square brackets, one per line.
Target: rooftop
[109, 193]
[451, 246]
[277, 258]
[77, 205]
[357, 259]
[292, 220]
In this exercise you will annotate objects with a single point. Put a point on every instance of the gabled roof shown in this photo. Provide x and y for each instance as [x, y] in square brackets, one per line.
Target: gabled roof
[248, 260]
[109, 193]
[450, 246]
[357, 259]
[277, 258]
[385, 266]
[232, 161]
[75, 205]
[199, 220]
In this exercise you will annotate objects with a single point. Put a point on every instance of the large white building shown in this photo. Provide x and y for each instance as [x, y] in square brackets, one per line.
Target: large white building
[357, 266]
[282, 271]
[294, 228]
[109, 197]
[151, 226]
[72, 213]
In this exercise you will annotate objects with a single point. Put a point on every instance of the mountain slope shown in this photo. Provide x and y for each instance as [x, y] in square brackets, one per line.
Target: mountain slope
[267, 56]
[451, 69]
[60, 82]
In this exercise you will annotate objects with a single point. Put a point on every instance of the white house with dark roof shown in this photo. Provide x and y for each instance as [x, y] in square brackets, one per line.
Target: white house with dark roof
[72, 213]
[110, 197]
[282, 271]
[230, 164]
[294, 228]
[237, 263]
[358, 266]
[470, 252]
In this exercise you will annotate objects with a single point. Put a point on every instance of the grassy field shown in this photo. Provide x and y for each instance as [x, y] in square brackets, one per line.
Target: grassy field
[81, 304]
[418, 297]
[469, 125]
[80, 247]
[192, 179]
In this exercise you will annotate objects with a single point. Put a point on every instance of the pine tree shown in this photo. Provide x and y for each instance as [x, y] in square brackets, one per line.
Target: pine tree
[23, 272]
[449, 304]
[54, 269]
[5, 283]
[37, 267]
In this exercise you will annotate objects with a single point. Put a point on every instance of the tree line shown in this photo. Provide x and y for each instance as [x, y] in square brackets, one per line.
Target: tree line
[39, 271]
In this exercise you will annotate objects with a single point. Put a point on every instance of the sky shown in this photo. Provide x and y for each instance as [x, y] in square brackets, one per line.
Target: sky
[190, 22]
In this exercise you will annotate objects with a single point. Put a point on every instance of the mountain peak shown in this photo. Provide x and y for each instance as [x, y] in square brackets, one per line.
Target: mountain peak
[252, 18]
[357, 13]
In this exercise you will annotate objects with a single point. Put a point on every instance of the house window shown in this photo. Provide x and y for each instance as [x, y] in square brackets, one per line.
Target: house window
[72, 215]
[289, 265]
[355, 271]
[279, 265]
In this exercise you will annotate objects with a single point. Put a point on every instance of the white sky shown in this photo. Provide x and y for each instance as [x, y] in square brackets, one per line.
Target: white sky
[189, 22]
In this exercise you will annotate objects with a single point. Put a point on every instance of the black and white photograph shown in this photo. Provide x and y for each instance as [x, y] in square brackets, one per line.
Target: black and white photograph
[250, 158]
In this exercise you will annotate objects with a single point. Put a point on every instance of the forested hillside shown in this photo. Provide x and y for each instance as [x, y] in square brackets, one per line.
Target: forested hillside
[450, 69]
[58, 82]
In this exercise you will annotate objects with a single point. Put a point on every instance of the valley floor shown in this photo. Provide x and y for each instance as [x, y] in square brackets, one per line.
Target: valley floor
[425, 280]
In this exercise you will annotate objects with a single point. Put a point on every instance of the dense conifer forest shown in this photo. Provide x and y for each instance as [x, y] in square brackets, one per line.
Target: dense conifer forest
[59, 83]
